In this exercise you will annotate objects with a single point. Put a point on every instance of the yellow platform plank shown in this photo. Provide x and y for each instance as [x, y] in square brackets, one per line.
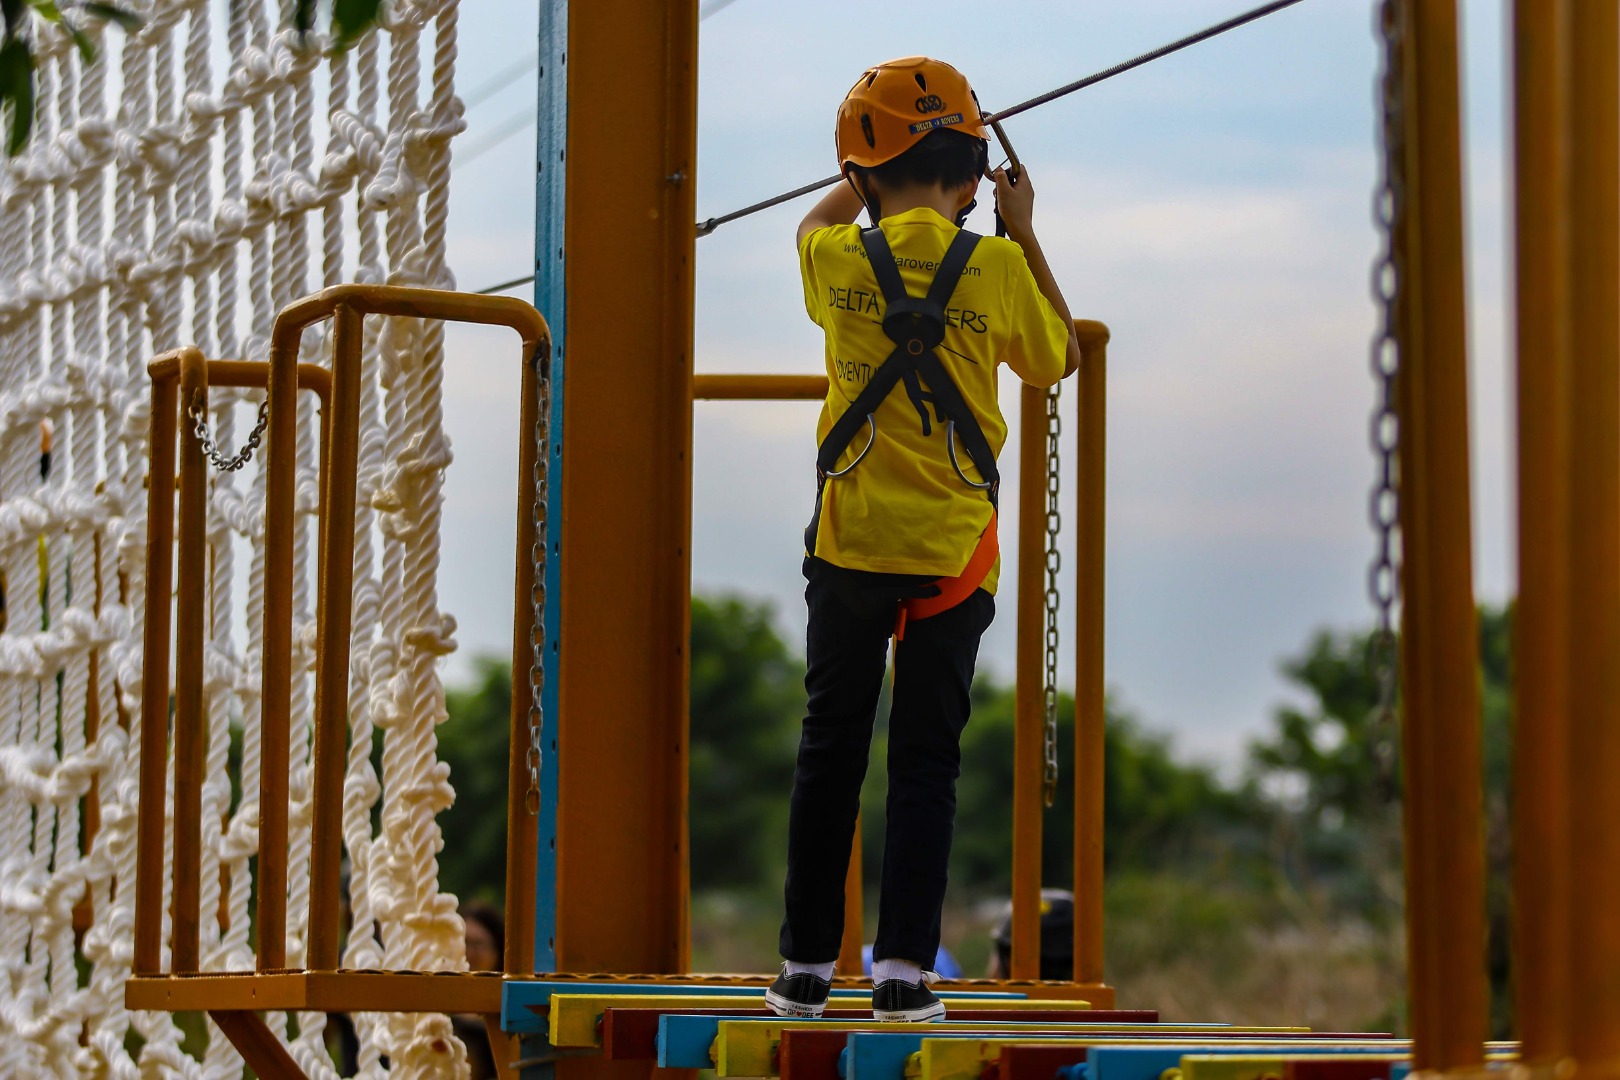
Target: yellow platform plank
[750, 1047]
[965, 1059]
[574, 1017]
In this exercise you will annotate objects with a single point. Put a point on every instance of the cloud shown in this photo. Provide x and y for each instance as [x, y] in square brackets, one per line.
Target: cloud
[1213, 208]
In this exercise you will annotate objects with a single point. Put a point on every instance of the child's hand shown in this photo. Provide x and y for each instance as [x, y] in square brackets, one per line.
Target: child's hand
[1015, 202]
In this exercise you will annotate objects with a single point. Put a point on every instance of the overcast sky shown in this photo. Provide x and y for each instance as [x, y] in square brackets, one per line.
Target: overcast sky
[1212, 208]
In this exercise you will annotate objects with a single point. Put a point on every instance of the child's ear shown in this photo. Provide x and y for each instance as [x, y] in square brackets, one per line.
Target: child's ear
[967, 192]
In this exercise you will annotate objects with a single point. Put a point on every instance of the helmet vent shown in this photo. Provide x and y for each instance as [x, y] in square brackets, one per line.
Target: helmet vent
[866, 129]
[871, 77]
[921, 82]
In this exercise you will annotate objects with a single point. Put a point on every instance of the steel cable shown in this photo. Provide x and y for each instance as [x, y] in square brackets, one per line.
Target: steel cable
[704, 228]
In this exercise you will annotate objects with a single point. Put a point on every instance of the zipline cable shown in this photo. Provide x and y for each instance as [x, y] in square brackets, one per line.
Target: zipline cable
[704, 228]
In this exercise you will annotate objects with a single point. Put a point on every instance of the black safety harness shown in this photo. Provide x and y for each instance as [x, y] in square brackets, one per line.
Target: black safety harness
[917, 328]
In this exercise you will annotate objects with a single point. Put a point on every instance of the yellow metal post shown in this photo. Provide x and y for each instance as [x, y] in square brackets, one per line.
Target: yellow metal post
[1029, 700]
[1594, 634]
[1444, 803]
[190, 719]
[1090, 691]
[626, 479]
[281, 428]
[1541, 840]
[155, 686]
[334, 623]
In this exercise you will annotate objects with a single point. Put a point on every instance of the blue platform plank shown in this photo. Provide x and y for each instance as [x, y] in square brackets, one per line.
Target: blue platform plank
[687, 1040]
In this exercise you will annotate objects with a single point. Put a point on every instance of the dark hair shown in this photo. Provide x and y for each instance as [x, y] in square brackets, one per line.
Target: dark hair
[489, 917]
[944, 157]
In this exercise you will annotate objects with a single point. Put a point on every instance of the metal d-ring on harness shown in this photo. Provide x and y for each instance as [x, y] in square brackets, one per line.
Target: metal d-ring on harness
[917, 328]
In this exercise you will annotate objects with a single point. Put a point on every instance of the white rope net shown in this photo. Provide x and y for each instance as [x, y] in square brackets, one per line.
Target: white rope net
[180, 189]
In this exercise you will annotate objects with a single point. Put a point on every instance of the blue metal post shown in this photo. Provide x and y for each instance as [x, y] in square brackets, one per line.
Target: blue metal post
[551, 188]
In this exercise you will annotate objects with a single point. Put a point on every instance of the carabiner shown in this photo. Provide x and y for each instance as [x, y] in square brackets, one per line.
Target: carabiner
[871, 427]
[950, 445]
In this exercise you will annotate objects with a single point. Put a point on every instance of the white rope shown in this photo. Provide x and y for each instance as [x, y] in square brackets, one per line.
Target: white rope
[167, 199]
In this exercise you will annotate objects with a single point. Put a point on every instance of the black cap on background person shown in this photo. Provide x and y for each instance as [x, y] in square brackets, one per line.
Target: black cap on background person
[1057, 938]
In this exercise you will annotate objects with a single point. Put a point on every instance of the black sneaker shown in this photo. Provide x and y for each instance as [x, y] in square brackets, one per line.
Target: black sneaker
[801, 995]
[897, 1000]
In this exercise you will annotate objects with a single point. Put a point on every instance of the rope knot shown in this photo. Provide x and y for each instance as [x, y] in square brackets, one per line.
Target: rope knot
[437, 636]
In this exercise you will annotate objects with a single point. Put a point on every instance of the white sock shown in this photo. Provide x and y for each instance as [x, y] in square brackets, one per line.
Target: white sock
[904, 970]
[820, 971]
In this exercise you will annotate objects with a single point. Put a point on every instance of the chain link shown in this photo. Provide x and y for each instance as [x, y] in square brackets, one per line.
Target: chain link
[537, 591]
[1383, 581]
[1054, 563]
[211, 450]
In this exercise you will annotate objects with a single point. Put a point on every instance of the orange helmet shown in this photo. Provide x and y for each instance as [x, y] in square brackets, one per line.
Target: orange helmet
[893, 105]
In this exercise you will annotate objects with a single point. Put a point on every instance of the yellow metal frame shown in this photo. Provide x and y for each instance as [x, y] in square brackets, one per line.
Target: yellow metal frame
[1090, 689]
[1541, 840]
[180, 381]
[1592, 915]
[626, 527]
[1445, 854]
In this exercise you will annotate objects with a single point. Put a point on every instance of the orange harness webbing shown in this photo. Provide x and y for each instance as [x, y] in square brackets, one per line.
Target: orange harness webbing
[953, 590]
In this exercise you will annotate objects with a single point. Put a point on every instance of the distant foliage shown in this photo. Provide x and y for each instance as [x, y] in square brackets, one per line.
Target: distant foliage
[747, 701]
[1335, 801]
[475, 743]
[1273, 895]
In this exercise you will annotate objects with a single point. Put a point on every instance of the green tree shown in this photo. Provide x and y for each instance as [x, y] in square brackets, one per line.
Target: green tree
[1157, 811]
[1332, 768]
[747, 698]
[475, 742]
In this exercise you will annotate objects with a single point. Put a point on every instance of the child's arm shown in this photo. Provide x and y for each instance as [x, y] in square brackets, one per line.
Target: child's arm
[840, 206]
[1017, 205]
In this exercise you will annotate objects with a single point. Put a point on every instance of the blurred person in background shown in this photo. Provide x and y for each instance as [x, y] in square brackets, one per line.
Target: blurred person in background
[1057, 938]
[486, 948]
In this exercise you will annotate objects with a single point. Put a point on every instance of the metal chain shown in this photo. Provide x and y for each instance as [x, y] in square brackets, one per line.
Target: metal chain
[1383, 580]
[1054, 563]
[537, 591]
[211, 450]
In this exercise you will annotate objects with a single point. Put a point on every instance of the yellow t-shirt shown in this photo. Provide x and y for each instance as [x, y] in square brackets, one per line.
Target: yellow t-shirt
[904, 510]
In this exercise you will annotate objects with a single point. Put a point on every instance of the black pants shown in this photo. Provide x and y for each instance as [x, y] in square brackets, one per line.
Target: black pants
[851, 617]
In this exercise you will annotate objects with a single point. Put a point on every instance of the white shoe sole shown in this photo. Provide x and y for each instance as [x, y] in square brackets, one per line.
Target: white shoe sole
[927, 1014]
[788, 1007]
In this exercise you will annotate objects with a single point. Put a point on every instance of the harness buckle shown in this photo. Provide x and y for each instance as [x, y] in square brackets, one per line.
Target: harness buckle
[915, 323]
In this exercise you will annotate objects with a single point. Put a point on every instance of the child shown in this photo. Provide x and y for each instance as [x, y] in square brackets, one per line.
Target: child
[903, 541]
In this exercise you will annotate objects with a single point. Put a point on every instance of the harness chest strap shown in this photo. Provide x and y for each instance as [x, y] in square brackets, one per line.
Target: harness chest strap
[917, 326]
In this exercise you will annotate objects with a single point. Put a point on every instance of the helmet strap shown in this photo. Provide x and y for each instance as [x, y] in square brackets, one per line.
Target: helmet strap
[862, 192]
